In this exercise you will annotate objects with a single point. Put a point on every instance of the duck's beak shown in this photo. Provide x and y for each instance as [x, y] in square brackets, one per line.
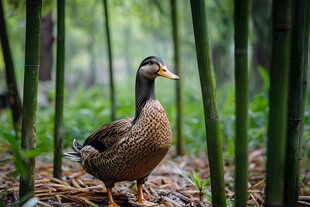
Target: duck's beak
[163, 71]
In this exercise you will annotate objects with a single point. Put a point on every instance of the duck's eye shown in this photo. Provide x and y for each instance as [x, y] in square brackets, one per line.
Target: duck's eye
[151, 62]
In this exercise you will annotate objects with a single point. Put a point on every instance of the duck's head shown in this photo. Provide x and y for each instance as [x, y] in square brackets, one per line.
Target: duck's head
[152, 67]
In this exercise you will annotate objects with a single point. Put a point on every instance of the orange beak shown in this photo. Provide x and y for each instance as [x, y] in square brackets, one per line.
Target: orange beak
[163, 71]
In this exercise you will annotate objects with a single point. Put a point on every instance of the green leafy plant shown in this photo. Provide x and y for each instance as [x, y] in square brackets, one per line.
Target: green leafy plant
[196, 182]
[194, 179]
[17, 154]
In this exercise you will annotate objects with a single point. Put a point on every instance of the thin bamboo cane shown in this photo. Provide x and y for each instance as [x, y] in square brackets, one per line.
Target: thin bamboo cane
[175, 36]
[14, 98]
[241, 22]
[214, 139]
[32, 61]
[278, 94]
[111, 78]
[60, 70]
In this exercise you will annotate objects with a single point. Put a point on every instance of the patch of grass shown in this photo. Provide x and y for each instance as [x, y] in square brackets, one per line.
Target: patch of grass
[194, 179]
[196, 182]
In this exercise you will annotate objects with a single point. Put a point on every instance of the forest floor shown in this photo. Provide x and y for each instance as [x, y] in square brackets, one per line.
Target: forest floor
[165, 186]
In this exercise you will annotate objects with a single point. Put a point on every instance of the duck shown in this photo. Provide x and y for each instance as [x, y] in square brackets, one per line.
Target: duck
[129, 149]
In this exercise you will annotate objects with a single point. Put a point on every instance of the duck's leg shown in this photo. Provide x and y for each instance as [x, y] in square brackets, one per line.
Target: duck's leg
[111, 200]
[141, 198]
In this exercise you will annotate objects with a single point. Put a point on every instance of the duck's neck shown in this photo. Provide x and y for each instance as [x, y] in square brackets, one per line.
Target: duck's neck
[145, 91]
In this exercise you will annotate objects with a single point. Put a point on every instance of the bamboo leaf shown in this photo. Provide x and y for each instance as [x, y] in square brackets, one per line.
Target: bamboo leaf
[35, 152]
[197, 179]
[194, 179]
[14, 142]
[182, 173]
[16, 151]
[19, 164]
[205, 183]
[265, 76]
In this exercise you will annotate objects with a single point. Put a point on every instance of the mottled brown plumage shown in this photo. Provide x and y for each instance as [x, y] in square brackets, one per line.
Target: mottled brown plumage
[129, 149]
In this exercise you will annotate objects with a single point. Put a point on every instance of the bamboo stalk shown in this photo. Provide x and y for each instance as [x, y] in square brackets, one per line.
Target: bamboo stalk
[176, 48]
[304, 87]
[305, 71]
[111, 78]
[60, 67]
[278, 94]
[213, 133]
[14, 98]
[295, 111]
[32, 61]
[241, 23]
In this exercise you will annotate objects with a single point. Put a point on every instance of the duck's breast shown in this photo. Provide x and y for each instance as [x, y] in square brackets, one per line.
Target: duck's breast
[148, 142]
[139, 152]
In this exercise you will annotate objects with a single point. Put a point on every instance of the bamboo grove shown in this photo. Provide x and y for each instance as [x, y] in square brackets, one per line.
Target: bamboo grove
[287, 94]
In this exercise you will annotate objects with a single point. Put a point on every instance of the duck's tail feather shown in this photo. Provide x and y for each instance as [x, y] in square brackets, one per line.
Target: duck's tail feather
[76, 155]
[76, 146]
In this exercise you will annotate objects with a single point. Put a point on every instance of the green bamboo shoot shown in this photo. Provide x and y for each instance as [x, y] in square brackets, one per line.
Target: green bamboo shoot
[213, 133]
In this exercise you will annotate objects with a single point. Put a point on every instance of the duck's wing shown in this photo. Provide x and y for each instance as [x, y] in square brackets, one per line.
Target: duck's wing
[107, 135]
